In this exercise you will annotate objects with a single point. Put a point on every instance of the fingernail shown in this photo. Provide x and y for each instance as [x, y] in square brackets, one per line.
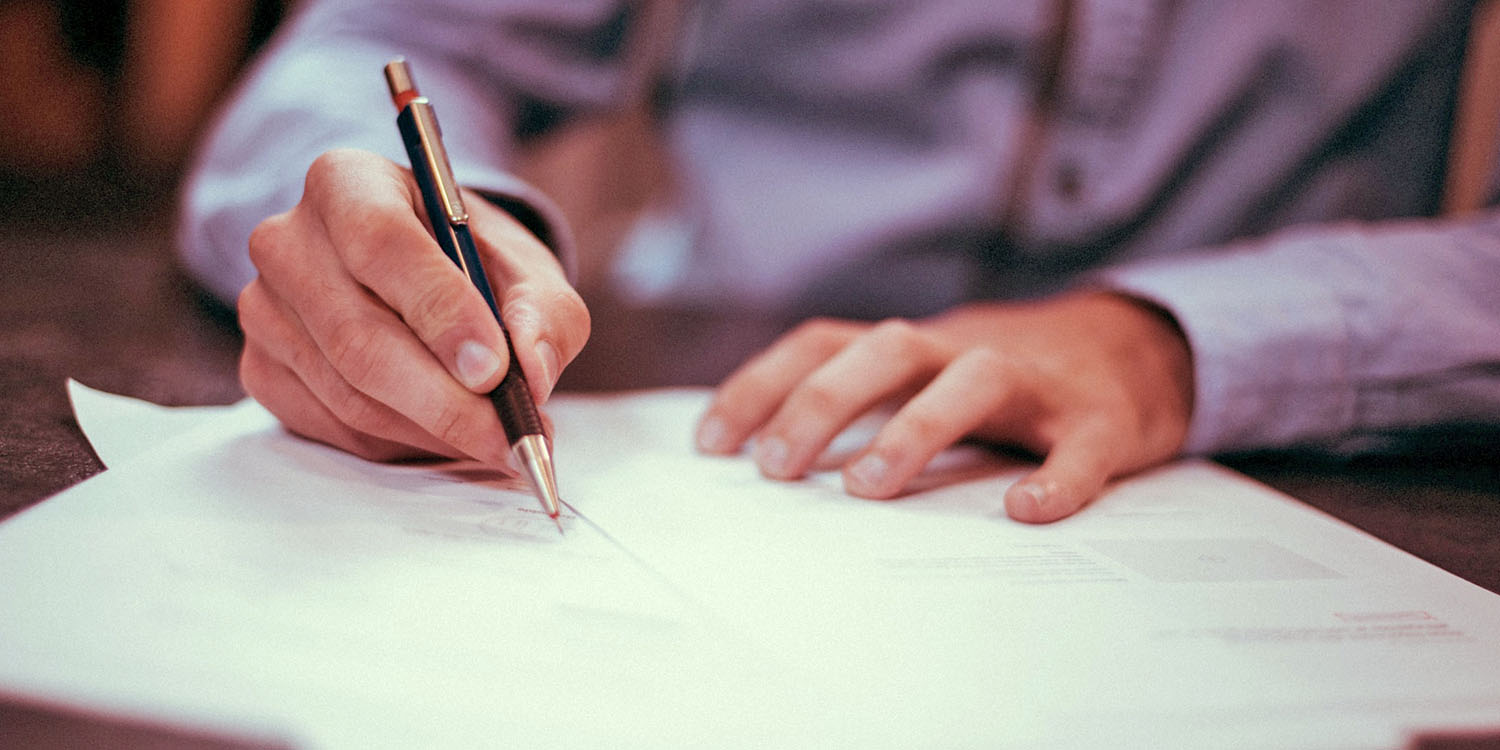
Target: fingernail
[870, 471]
[772, 454]
[546, 353]
[713, 436]
[476, 363]
[1034, 494]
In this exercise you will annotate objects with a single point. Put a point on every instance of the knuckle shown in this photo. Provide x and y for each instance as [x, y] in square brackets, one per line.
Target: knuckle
[250, 306]
[327, 169]
[353, 348]
[365, 242]
[982, 362]
[554, 313]
[450, 425]
[897, 338]
[921, 427]
[254, 375]
[309, 364]
[321, 174]
[738, 397]
[356, 411]
[268, 241]
[574, 319]
[574, 312]
[898, 328]
[433, 306]
[819, 333]
[818, 397]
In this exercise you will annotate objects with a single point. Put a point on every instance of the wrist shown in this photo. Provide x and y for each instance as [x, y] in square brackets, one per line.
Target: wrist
[1152, 349]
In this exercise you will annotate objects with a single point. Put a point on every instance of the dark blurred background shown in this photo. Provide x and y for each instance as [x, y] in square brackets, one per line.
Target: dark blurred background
[104, 98]
[103, 101]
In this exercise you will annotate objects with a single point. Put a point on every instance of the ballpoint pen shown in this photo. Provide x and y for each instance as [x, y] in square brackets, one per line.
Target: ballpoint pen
[450, 223]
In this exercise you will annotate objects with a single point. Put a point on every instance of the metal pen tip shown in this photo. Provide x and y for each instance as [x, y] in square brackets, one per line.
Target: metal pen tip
[536, 458]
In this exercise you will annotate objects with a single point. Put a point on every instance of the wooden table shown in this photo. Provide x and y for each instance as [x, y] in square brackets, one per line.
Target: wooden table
[106, 306]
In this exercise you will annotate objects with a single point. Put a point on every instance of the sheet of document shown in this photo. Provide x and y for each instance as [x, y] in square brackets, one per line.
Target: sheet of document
[238, 577]
[120, 428]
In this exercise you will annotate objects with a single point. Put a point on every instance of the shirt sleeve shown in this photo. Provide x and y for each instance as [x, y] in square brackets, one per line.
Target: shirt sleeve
[1333, 335]
[319, 86]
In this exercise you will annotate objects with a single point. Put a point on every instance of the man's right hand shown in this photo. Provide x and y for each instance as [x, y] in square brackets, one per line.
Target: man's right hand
[361, 334]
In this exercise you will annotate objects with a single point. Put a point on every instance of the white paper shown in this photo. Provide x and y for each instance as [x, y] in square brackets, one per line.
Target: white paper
[121, 428]
[240, 578]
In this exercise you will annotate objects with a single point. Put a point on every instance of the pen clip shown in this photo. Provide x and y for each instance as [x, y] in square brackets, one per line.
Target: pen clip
[429, 134]
[437, 160]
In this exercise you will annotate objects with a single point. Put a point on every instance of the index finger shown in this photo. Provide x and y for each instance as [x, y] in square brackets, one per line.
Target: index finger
[752, 393]
[375, 224]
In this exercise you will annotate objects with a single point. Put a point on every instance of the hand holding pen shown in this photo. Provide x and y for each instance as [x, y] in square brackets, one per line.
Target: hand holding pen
[360, 333]
[449, 218]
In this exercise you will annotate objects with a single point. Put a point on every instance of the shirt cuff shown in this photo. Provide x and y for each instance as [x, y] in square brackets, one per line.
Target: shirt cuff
[529, 206]
[1271, 349]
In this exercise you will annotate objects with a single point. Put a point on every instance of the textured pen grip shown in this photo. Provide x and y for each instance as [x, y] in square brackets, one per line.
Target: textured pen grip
[512, 399]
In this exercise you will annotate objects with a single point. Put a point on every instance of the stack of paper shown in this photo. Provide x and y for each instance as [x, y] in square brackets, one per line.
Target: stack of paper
[241, 579]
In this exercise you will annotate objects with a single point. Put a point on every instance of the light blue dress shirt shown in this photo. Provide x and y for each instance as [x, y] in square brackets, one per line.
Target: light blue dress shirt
[1266, 171]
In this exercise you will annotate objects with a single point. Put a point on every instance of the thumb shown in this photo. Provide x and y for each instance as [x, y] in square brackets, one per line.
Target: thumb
[1073, 474]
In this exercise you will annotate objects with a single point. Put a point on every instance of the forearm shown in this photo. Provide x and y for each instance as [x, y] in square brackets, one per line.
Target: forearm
[1320, 335]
